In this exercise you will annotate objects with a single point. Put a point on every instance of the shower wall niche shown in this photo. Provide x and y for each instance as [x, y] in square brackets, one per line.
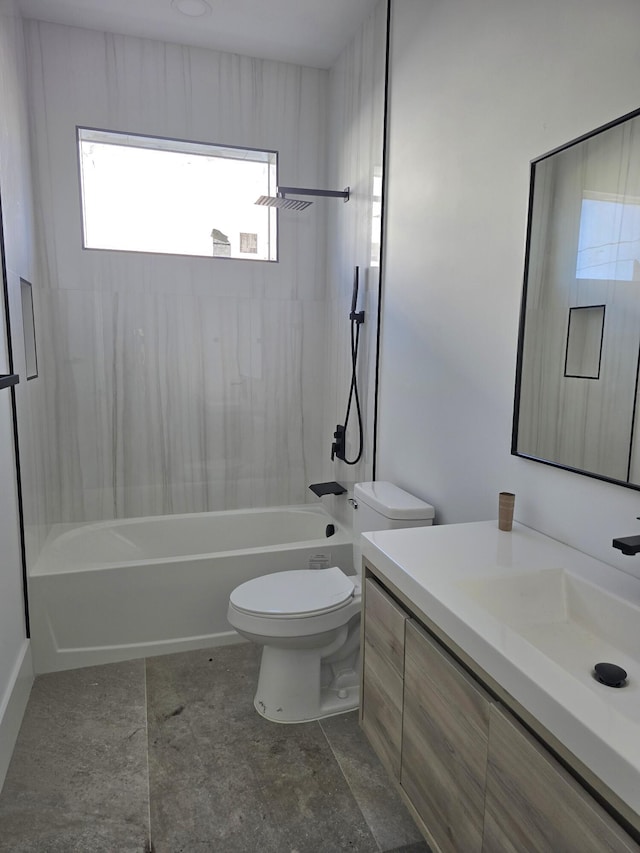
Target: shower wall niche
[29, 330]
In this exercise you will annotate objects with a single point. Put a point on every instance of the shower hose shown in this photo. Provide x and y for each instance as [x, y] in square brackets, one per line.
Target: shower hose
[357, 319]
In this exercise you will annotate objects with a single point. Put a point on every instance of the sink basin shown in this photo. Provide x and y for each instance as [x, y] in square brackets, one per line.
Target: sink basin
[569, 619]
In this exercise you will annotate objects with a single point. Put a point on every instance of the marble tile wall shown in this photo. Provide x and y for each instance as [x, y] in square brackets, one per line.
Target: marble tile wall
[21, 262]
[356, 143]
[18, 257]
[175, 384]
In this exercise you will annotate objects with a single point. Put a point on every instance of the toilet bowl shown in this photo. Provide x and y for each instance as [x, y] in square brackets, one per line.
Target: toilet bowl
[308, 620]
[308, 624]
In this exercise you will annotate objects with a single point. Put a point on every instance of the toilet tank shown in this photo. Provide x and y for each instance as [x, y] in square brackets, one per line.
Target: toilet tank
[383, 506]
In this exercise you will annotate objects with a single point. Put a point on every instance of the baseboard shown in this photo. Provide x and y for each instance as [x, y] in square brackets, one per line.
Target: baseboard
[13, 706]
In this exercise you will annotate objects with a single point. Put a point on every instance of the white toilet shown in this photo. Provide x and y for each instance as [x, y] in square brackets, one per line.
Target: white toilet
[308, 620]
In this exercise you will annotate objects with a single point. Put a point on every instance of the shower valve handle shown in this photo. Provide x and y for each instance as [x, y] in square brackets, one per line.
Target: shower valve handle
[337, 448]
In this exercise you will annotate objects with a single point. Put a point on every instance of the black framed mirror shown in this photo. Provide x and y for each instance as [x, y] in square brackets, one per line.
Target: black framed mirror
[576, 399]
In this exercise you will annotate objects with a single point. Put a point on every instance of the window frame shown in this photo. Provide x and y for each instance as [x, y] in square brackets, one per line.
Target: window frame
[179, 145]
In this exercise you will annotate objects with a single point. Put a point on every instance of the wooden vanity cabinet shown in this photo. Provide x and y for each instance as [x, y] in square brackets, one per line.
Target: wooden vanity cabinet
[476, 780]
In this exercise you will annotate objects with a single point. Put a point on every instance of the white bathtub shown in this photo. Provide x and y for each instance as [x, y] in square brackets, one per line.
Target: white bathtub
[118, 590]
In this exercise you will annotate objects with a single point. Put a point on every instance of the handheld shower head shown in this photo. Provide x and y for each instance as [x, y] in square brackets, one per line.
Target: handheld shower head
[354, 294]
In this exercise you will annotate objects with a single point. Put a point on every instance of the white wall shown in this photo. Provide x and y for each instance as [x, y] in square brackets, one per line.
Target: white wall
[16, 673]
[477, 91]
[175, 384]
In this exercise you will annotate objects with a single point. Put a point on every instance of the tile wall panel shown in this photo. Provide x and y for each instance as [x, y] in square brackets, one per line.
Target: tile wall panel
[356, 115]
[176, 384]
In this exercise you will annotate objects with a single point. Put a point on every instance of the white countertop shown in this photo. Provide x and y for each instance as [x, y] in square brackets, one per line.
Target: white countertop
[433, 566]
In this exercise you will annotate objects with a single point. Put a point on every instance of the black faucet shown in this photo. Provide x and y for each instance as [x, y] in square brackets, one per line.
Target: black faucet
[629, 545]
[331, 488]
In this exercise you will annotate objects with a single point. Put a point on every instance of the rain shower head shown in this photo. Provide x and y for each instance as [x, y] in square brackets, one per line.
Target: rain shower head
[281, 202]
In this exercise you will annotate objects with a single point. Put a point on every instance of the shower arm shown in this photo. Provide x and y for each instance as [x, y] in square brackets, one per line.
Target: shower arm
[284, 191]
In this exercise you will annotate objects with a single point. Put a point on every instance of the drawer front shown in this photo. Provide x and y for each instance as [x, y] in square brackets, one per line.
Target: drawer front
[382, 675]
[444, 746]
[384, 625]
[533, 804]
[382, 709]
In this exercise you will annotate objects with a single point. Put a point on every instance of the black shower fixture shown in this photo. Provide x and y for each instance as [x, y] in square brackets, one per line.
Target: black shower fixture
[332, 488]
[281, 202]
[338, 448]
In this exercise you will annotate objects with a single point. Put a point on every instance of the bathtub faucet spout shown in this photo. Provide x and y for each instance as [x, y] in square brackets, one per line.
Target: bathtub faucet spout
[331, 488]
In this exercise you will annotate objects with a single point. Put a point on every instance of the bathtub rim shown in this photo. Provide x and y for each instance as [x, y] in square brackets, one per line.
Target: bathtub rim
[44, 568]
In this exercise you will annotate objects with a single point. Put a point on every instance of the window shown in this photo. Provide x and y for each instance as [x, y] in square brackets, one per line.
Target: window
[145, 194]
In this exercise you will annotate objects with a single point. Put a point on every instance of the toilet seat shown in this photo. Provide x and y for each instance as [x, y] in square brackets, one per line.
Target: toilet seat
[295, 594]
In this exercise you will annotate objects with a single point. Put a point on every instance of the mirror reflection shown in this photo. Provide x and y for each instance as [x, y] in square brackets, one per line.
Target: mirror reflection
[579, 347]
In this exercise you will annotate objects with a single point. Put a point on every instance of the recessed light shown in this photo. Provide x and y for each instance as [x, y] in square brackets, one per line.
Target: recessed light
[192, 8]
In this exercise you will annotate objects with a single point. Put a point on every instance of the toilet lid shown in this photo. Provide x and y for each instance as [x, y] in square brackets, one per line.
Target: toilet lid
[303, 592]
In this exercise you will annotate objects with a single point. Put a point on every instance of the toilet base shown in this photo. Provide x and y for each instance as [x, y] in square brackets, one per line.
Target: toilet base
[330, 706]
[300, 685]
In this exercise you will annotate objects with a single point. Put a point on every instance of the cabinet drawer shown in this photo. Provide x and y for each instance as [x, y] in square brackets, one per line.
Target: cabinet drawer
[444, 744]
[534, 805]
[384, 621]
[382, 675]
[382, 709]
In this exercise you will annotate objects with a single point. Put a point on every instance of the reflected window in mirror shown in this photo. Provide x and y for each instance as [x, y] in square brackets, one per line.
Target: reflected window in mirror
[609, 238]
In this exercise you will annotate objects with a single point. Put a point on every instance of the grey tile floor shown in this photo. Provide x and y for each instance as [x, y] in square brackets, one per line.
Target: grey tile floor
[168, 755]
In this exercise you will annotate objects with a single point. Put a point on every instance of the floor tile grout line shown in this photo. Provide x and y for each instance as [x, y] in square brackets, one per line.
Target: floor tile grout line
[146, 724]
[339, 763]
[339, 739]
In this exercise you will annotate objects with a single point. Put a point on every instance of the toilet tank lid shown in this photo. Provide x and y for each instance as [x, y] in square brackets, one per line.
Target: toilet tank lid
[391, 501]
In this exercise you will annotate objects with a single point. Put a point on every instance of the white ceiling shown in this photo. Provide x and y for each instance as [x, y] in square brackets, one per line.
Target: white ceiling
[306, 32]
